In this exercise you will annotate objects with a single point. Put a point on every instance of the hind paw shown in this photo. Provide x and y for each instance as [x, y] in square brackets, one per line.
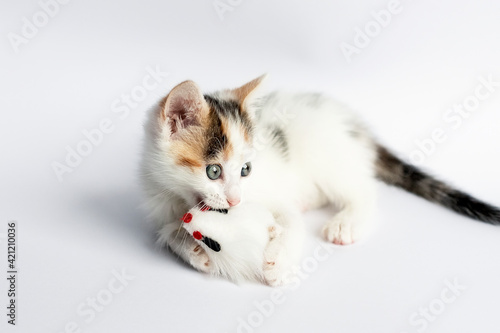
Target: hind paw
[343, 232]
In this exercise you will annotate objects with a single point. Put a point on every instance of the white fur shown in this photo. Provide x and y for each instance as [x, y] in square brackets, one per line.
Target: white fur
[327, 164]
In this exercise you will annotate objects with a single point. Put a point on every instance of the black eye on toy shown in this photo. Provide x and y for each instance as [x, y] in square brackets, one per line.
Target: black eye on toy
[211, 243]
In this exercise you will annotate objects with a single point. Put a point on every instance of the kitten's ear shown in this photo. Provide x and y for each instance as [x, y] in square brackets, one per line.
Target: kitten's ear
[244, 93]
[184, 106]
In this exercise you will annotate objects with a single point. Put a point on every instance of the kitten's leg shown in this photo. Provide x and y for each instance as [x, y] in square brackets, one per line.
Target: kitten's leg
[181, 243]
[284, 248]
[356, 200]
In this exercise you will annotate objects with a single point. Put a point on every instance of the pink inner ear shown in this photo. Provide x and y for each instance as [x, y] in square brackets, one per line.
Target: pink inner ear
[184, 106]
[182, 113]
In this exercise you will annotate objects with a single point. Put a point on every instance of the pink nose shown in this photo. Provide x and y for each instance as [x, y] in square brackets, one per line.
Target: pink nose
[233, 202]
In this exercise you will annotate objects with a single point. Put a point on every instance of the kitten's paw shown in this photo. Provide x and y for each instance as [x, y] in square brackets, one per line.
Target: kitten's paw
[199, 259]
[274, 231]
[276, 264]
[274, 274]
[342, 232]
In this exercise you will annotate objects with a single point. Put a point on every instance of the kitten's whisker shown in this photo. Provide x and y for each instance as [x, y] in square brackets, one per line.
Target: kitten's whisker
[198, 204]
[180, 244]
[178, 231]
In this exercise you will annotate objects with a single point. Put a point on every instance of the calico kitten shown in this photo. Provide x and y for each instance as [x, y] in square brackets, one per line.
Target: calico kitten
[289, 152]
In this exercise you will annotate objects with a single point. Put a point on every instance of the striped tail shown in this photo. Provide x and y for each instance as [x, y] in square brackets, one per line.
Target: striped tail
[393, 171]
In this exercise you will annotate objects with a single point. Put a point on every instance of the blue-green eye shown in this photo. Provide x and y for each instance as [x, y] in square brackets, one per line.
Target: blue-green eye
[214, 171]
[245, 170]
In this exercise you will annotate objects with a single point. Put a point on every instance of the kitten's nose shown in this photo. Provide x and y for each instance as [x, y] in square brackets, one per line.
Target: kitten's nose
[233, 202]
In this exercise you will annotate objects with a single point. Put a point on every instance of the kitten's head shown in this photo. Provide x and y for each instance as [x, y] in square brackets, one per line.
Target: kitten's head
[199, 146]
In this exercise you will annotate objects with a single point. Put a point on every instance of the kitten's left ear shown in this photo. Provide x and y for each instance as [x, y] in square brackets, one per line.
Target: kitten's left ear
[245, 93]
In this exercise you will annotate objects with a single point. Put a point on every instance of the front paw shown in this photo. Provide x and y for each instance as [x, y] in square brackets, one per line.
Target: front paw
[277, 264]
[274, 231]
[198, 258]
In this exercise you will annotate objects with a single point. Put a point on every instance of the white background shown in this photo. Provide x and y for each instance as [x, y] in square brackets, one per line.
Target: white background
[74, 233]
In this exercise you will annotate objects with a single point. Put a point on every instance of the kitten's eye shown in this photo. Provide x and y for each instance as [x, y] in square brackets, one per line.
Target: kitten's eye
[214, 171]
[245, 170]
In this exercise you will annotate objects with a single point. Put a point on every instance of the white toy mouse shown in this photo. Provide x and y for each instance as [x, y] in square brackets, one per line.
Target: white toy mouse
[235, 240]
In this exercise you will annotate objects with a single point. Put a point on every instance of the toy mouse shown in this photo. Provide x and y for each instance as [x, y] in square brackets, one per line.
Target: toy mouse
[235, 240]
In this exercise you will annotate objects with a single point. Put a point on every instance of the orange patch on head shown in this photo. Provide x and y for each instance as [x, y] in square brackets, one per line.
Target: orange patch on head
[188, 149]
[187, 162]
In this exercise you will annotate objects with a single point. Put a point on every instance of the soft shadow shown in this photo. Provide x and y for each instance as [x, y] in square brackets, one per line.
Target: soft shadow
[122, 214]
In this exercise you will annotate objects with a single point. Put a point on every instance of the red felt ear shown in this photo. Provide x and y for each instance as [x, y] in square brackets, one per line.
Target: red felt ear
[187, 217]
[197, 235]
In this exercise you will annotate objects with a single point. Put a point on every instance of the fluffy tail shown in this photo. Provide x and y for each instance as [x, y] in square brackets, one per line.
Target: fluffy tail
[394, 171]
